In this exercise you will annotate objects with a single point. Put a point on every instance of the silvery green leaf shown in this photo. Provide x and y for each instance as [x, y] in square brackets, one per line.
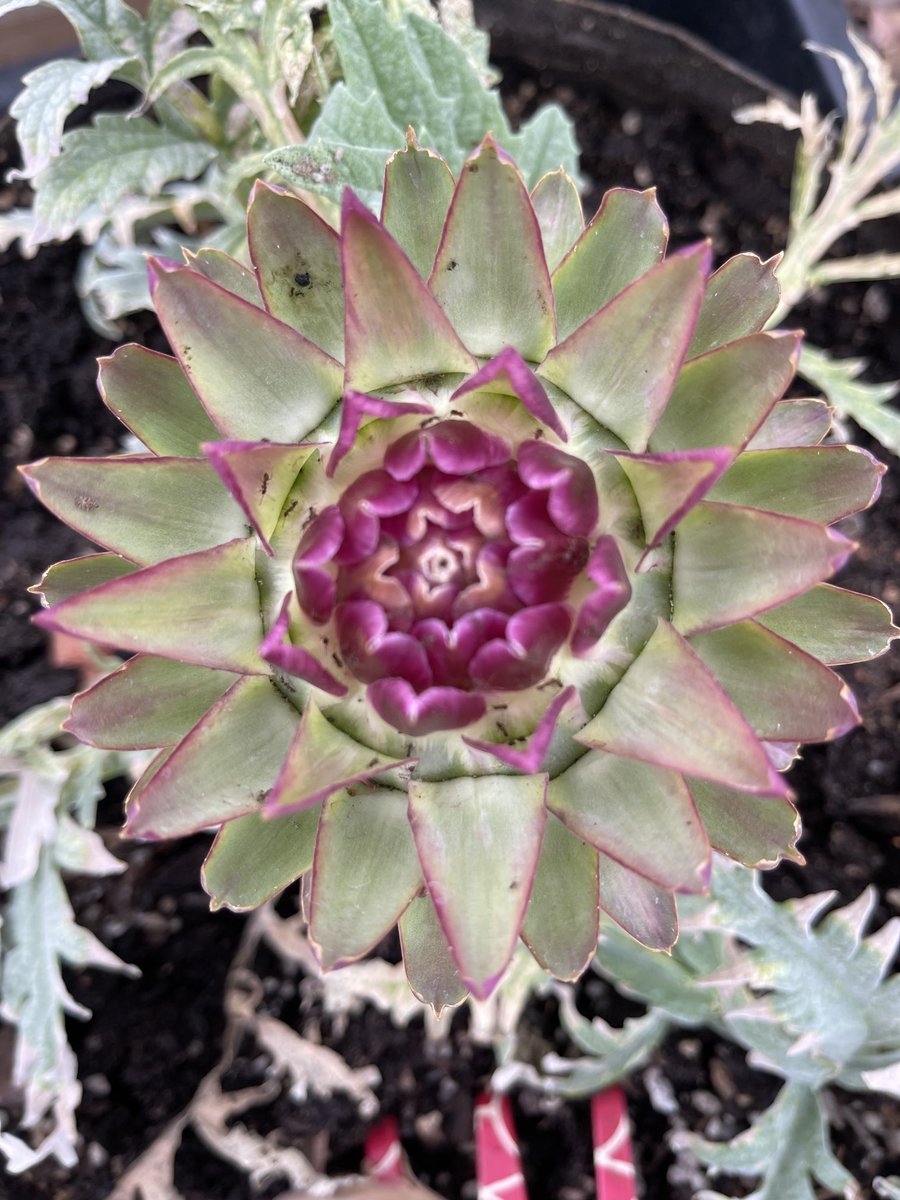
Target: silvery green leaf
[760, 1029]
[287, 40]
[545, 142]
[458, 18]
[787, 1149]
[17, 223]
[614, 1054]
[837, 168]
[884, 1079]
[101, 164]
[229, 15]
[188, 64]
[112, 273]
[856, 268]
[866, 403]
[104, 27]
[82, 850]
[50, 93]
[32, 824]
[887, 1186]
[354, 141]
[668, 982]
[396, 76]
[48, 799]
[168, 27]
[112, 281]
[35, 727]
[40, 933]
[823, 982]
[885, 1022]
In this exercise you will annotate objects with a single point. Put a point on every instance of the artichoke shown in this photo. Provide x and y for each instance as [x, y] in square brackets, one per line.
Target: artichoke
[473, 572]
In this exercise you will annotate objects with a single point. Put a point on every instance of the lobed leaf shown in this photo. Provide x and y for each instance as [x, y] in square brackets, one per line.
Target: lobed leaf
[865, 403]
[49, 95]
[412, 74]
[101, 163]
[787, 1148]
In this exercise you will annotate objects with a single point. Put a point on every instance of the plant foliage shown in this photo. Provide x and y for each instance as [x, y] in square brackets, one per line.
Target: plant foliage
[835, 190]
[808, 996]
[48, 799]
[422, 78]
[184, 157]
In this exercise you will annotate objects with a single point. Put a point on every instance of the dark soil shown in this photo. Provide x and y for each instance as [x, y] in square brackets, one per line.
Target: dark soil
[153, 1039]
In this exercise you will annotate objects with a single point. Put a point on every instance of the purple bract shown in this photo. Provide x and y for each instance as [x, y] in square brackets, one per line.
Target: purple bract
[458, 569]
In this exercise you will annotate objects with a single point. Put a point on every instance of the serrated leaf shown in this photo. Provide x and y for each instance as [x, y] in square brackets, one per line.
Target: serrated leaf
[412, 74]
[50, 93]
[865, 403]
[101, 164]
[668, 982]
[287, 37]
[39, 933]
[824, 981]
[787, 1148]
[545, 143]
[17, 223]
[615, 1054]
[194, 61]
[229, 15]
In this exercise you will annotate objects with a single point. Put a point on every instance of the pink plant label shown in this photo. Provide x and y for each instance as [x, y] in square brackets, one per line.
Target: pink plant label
[498, 1164]
[613, 1161]
[384, 1154]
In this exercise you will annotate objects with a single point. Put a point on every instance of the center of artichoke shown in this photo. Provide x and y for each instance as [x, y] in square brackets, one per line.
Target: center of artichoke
[450, 572]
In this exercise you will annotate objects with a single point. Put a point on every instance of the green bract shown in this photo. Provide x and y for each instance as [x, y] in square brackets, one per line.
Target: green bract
[474, 570]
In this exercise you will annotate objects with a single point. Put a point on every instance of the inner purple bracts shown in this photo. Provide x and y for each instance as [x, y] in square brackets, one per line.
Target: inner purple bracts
[449, 572]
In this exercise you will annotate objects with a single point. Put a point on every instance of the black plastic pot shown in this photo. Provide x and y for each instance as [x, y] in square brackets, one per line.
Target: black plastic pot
[763, 39]
[636, 58]
[767, 36]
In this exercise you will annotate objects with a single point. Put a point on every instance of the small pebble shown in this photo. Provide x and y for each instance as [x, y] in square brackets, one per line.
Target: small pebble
[718, 1129]
[429, 1128]
[720, 1078]
[643, 176]
[877, 304]
[660, 1091]
[96, 1156]
[690, 1048]
[706, 1103]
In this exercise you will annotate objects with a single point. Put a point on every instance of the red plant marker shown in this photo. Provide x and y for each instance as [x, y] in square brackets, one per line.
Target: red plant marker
[497, 1163]
[613, 1161]
[383, 1154]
